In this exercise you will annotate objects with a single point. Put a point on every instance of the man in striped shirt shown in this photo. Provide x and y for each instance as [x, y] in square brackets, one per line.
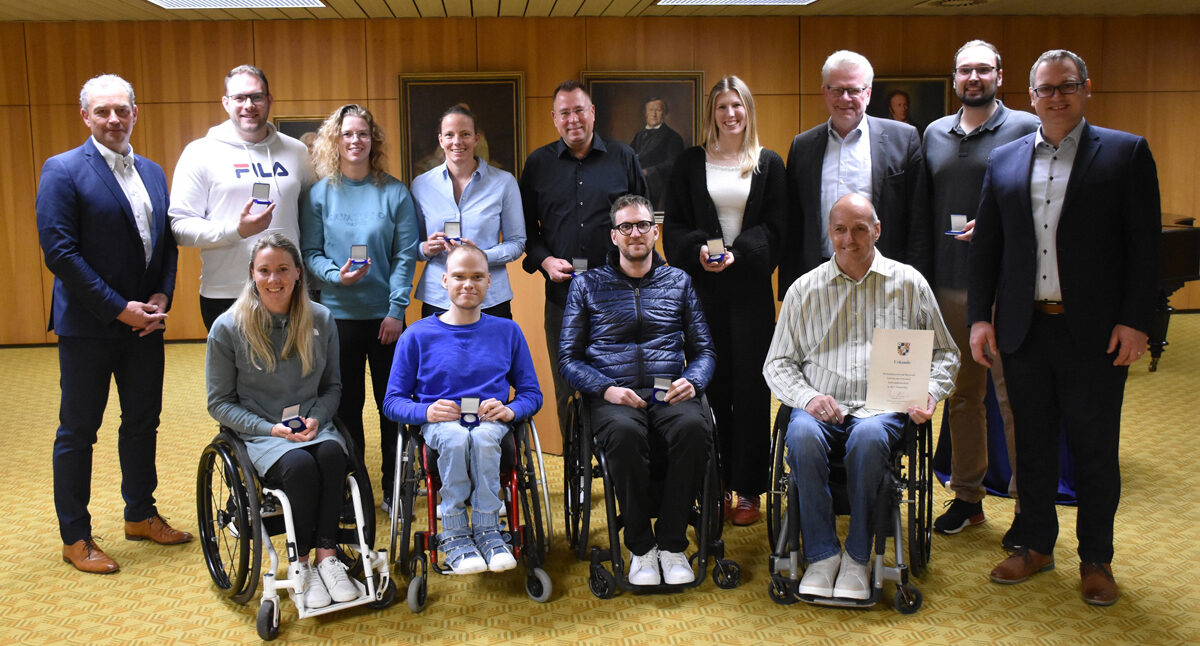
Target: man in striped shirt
[818, 365]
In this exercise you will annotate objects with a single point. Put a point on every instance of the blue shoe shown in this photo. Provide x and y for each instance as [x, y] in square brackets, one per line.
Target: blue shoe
[461, 554]
[495, 549]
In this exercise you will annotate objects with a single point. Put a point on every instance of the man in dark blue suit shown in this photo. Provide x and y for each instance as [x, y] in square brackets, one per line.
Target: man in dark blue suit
[879, 159]
[1066, 245]
[101, 214]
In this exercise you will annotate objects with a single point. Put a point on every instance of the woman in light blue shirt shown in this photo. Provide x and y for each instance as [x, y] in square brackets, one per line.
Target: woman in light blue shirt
[483, 200]
[356, 202]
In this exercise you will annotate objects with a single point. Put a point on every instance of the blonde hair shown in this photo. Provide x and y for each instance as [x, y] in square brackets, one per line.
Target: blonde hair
[326, 151]
[253, 321]
[750, 148]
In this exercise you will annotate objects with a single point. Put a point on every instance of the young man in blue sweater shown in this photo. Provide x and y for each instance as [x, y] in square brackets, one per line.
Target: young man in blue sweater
[440, 361]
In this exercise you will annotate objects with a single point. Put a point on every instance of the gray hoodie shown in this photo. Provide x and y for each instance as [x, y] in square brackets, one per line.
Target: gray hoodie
[212, 182]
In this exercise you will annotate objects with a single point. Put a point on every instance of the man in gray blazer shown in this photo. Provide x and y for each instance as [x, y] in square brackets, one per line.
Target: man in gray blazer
[879, 159]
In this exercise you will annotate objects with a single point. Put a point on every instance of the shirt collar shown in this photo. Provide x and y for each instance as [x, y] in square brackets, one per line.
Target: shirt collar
[1072, 136]
[995, 121]
[879, 265]
[111, 158]
[480, 169]
[561, 148]
[861, 127]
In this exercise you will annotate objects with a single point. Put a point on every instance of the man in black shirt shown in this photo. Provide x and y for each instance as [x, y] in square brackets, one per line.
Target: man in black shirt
[567, 187]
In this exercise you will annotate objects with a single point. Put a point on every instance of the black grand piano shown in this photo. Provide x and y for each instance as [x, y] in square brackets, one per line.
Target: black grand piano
[1180, 263]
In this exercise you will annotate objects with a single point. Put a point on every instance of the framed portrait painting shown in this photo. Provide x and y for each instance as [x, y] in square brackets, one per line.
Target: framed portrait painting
[302, 128]
[658, 114]
[496, 99]
[915, 100]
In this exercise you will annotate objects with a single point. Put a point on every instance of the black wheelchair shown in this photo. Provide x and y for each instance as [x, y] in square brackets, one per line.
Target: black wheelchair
[525, 515]
[583, 461]
[906, 489]
[238, 514]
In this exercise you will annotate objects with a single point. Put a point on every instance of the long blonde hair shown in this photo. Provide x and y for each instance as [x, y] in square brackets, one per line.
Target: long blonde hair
[253, 321]
[748, 159]
[326, 154]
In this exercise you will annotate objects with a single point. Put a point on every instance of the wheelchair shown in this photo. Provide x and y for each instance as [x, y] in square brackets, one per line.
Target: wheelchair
[584, 461]
[238, 514]
[525, 512]
[906, 487]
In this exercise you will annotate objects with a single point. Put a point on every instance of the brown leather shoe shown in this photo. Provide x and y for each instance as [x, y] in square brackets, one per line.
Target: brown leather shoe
[86, 556]
[1098, 586]
[156, 529]
[746, 512]
[1023, 564]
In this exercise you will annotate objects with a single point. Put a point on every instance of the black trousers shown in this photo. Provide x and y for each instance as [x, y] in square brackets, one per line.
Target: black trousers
[741, 328]
[314, 478]
[359, 346]
[675, 437]
[211, 308]
[87, 367]
[502, 310]
[1056, 386]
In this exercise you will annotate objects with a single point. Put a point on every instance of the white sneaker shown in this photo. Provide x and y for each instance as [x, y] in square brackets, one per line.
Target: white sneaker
[337, 582]
[315, 594]
[675, 568]
[854, 579]
[643, 570]
[818, 578]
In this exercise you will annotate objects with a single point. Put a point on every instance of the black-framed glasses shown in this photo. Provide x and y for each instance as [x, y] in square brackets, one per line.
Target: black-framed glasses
[982, 70]
[257, 98]
[852, 92]
[626, 228]
[1047, 91]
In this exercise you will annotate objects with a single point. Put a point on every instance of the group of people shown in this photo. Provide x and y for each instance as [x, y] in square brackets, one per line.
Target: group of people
[1046, 265]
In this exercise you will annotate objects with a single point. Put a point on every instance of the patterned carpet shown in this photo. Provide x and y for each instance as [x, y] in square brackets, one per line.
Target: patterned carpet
[164, 595]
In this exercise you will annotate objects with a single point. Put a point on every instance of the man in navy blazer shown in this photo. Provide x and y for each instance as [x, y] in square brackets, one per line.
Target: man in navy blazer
[879, 159]
[1066, 246]
[101, 215]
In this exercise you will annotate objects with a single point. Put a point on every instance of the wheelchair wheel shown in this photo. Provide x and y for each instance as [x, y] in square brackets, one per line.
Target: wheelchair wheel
[920, 510]
[777, 487]
[907, 600]
[229, 519]
[528, 479]
[347, 533]
[778, 591]
[386, 598]
[601, 582]
[537, 584]
[417, 593]
[727, 574]
[577, 479]
[409, 475]
[268, 620]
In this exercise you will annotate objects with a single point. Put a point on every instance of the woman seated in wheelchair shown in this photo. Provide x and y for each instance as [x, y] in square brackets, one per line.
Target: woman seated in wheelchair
[452, 375]
[273, 350]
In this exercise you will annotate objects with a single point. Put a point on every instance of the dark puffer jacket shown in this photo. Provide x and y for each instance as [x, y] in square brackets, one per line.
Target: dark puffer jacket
[616, 334]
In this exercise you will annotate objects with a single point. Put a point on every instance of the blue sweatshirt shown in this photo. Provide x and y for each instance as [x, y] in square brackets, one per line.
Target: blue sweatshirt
[435, 360]
[333, 218]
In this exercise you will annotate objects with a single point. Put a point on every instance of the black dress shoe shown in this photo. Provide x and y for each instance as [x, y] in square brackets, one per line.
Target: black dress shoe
[1012, 541]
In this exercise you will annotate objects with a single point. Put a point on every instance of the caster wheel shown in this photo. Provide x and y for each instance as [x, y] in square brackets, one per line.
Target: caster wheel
[386, 598]
[727, 574]
[268, 621]
[416, 594]
[537, 584]
[601, 582]
[779, 593]
[908, 600]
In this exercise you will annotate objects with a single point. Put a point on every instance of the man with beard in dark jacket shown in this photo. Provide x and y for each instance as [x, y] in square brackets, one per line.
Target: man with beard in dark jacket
[626, 324]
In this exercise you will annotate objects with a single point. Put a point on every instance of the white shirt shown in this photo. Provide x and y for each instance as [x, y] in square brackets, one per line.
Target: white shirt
[135, 191]
[1047, 190]
[729, 191]
[822, 342]
[845, 169]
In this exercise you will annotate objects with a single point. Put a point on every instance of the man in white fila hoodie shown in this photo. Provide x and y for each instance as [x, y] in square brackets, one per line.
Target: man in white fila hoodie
[212, 204]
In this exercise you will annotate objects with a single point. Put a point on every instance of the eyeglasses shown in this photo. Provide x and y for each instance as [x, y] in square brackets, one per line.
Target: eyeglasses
[852, 92]
[1047, 91]
[626, 228]
[256, 99]
[982, 71]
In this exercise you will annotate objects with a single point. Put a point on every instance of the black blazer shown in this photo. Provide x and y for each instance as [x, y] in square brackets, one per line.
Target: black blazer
[1107, 240]
[898, 192]
[691, 219]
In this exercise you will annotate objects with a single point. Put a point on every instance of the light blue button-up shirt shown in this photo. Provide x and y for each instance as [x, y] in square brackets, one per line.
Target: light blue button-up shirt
[491, 215]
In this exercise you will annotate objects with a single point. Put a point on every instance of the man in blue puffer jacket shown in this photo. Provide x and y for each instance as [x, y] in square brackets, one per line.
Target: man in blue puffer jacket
[627, 323]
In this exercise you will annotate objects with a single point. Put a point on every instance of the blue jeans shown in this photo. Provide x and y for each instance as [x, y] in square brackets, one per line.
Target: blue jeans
[466, 456]
[867, 442]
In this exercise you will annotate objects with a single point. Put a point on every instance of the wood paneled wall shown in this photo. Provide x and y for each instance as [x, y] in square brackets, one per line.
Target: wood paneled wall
[1145, 71]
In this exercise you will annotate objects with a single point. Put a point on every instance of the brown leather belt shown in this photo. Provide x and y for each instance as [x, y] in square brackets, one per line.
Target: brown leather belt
[1053, 308]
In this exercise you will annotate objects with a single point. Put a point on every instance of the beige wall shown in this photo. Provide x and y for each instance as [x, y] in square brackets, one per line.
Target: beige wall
[1145, 71]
